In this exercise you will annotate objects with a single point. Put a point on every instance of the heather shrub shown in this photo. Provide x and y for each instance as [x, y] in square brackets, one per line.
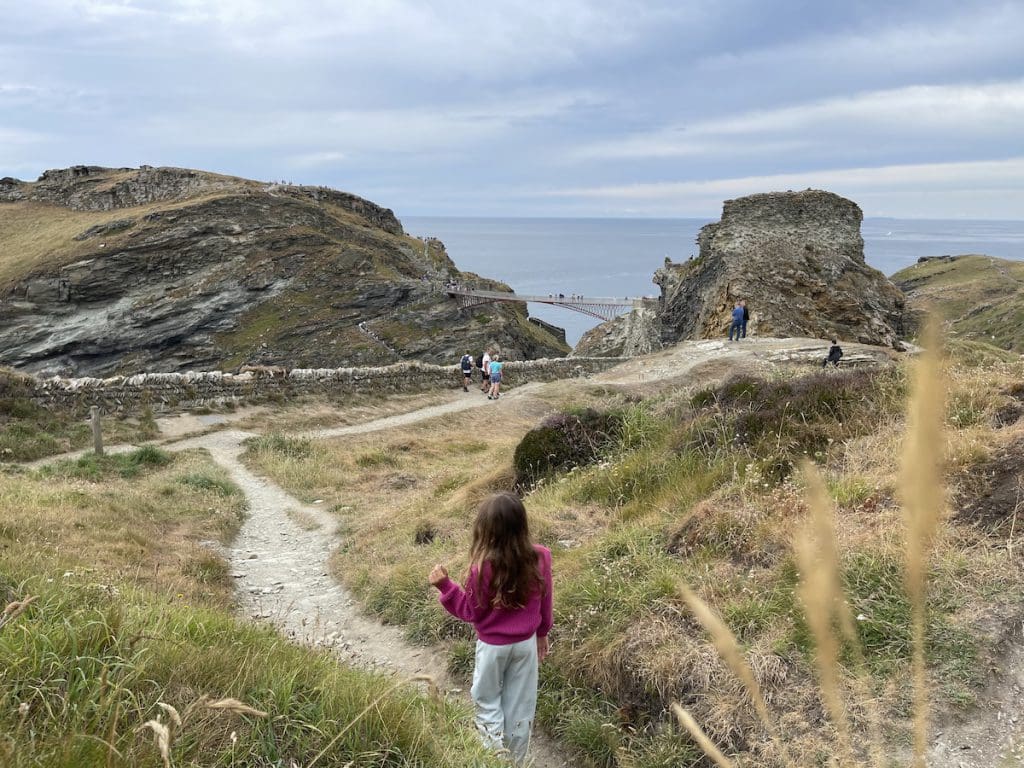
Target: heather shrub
[775, 422]
[563, 441]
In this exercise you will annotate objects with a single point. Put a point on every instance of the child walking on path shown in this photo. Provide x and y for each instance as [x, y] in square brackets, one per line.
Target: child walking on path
[507, 599]
[496, 368]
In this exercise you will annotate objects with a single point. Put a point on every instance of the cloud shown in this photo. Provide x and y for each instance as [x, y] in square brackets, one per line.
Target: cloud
[317, 159]
[917, 186]
[926, 39]
[12, 136]
[390, 131]
[428, 102]
[915, 113]
[444, 38]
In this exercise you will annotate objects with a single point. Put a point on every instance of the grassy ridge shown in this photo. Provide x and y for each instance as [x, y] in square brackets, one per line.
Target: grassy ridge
[701, 489]
[132, 611]
[980, 297]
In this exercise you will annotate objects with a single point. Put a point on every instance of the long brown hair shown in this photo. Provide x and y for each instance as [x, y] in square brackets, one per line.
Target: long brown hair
[501, 537]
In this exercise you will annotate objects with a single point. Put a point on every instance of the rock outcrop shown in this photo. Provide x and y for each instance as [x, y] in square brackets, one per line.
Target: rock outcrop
[797, 258]
[629, 335]
[106, 271]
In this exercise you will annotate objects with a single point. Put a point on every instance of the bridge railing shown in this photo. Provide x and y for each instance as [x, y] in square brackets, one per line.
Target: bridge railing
[624, 301]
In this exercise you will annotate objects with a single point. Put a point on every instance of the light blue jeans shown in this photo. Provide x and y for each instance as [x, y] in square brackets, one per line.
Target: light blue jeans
[505, 693]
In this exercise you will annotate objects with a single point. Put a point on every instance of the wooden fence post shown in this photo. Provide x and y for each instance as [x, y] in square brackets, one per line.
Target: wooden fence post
[97, 432]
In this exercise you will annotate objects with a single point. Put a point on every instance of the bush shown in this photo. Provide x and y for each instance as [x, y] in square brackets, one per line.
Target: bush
[562, 441]
[777, 422]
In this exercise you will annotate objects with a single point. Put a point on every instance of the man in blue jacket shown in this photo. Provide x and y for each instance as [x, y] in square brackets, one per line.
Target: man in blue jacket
[737, 322]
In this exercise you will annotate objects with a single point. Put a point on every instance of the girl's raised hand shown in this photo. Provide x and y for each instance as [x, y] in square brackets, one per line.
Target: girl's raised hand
[438, 574]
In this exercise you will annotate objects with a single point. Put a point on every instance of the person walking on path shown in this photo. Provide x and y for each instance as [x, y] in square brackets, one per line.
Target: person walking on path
[485, 372]
[467, 370]
[737, 321]
[746, 317]
[835, 354]
[495, 369]
[507, 598]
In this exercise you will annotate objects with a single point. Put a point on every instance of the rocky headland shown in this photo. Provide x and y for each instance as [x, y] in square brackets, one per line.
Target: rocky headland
[106, 271]
[797, 258]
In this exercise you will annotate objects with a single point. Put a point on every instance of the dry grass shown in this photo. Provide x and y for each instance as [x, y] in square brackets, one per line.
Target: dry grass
[304, 520]
[164, 734]
[827, 606]
[145, 529]
[314, 413]
[38, 236]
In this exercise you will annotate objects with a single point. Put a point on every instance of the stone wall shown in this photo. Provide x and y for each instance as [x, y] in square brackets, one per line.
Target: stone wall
[166, 391]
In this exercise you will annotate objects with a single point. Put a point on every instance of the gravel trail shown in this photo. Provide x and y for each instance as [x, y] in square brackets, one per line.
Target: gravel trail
[279, 561]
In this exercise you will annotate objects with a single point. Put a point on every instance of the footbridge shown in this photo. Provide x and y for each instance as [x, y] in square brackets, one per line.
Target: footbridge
[603, 308]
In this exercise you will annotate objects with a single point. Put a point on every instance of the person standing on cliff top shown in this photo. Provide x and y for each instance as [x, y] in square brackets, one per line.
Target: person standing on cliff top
[737, 322]
[746, 317]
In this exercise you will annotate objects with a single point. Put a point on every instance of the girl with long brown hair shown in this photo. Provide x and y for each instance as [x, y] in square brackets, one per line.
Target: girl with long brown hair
[507, 599]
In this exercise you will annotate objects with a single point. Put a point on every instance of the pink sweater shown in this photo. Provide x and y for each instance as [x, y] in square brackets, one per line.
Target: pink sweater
[495, 625]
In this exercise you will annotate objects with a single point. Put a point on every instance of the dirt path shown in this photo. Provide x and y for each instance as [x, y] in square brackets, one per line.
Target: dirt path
[279, 561]
[994, 736]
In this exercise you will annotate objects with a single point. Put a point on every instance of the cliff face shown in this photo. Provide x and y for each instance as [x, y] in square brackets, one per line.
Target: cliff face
[163, 269]
[629, 335]
[797, 258]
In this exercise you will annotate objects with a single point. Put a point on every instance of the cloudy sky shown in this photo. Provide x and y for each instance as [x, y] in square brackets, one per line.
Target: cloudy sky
[554, 108]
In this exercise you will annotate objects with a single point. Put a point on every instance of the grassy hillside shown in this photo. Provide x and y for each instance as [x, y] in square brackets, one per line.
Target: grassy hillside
[112, 270]
[699, 487]
[129, 624]
[980, 297]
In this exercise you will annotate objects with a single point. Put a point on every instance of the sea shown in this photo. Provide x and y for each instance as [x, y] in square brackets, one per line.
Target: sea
[618, 257]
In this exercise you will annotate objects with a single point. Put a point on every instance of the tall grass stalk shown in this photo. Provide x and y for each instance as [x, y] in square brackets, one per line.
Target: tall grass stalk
[367, 709]
[825, 606]
[687, 721]
[922, 498]
[728, 648]
[819, 591]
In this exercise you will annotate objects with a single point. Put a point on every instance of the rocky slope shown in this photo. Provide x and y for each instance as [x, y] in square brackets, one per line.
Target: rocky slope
[797, 258]
[981, 298]
[119, 270]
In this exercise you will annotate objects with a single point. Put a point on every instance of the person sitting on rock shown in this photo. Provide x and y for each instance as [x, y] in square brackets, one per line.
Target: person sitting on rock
[835, 353]
[737, 322]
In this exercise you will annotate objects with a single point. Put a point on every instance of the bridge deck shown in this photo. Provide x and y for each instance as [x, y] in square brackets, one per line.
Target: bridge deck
[578, 300]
